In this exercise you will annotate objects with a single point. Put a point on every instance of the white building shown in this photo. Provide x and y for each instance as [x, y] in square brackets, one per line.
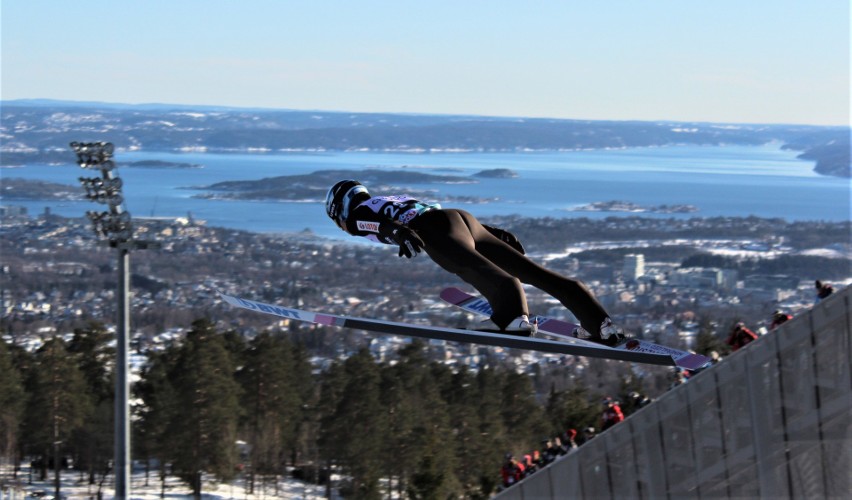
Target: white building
[634, 266]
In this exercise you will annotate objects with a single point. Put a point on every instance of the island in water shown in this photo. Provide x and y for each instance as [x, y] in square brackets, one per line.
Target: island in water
[159, 164]
[314, 186]
[496, 173]
[629, 207]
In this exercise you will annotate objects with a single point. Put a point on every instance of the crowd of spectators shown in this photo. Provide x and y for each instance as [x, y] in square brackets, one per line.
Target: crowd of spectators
[741, 335]
[515, 469]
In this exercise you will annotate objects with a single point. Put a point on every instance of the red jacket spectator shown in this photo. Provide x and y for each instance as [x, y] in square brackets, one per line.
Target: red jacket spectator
[570, 441]
[612, 414]
[512, 471]
[740, 336]
[529, 465]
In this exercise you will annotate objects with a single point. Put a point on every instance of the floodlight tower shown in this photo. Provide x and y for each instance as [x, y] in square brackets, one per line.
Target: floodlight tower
[115, 225]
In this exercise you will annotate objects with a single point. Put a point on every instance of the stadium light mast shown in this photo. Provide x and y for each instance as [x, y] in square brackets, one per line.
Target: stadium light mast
[115, 225]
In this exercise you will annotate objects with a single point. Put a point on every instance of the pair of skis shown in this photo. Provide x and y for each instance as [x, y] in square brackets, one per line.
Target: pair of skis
[555, 336]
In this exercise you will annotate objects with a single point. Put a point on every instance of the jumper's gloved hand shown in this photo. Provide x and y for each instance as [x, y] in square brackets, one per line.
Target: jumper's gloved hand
[409, 243]
[506, 237]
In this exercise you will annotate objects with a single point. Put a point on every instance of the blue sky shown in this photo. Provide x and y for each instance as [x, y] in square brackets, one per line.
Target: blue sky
[757, 61]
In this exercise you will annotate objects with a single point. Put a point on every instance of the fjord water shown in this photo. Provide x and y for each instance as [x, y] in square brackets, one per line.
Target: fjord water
[719, 180]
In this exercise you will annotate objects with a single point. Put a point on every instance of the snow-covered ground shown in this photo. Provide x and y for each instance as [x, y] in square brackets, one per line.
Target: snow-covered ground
[73, 488]
[728, 247]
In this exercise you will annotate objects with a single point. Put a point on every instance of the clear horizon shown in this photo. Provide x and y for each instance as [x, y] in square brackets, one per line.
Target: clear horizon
[762, 62]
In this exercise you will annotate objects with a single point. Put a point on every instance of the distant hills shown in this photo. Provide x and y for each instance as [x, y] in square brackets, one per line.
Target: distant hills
[40, 130]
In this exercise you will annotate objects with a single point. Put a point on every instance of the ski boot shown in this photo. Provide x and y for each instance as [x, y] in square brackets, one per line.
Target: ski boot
[520, 326]
[610, 333]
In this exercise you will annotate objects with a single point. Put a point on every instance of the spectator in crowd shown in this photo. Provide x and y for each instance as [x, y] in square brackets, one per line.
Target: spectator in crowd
[638, 400]
[551, 452]
[679, 377]
[546, 457]
[512, 471]
[779, 317]
[740, 336]
[570, 439]
[612, 413]
[529, 465]
[538, 459]
[823, 290]
[560, 447]
[588, 435]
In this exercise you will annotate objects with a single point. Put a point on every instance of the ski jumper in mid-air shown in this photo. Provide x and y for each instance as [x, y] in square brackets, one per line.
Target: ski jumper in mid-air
[490, 259]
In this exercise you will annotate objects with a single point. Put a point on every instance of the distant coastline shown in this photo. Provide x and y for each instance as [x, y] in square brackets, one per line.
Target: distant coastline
[37, 137]
[15, 189]
[832, 160]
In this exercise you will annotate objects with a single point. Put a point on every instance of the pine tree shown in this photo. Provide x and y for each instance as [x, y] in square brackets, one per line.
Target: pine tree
[58, 405]
[332, 385]
[462, 395]
[493, 434]
[93, 441]
[91, 348]
[435, 472]
[572, 409]
[419, 425]
[522, 414]
[357, 425]
[202, 432]
[236, 346]
[399, 457]
[12, 399]
[707, 341]
[158, 408]
[307, 390]
[272, 402]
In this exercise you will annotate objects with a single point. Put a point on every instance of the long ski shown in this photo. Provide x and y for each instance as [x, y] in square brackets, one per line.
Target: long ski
[563, 331]
[451, 334]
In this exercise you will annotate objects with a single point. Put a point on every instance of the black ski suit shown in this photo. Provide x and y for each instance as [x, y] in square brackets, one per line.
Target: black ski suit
[489, 259]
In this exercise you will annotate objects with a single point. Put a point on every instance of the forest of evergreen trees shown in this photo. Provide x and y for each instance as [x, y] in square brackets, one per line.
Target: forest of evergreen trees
[414, 426]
